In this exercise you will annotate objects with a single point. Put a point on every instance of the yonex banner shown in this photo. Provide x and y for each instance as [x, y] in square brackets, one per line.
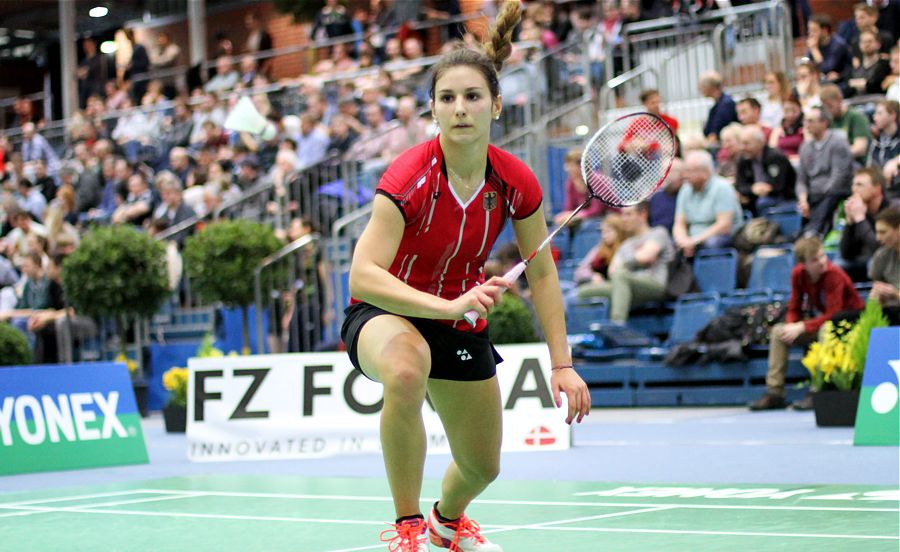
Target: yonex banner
[878, 413]
[316, 404]
[68, 416]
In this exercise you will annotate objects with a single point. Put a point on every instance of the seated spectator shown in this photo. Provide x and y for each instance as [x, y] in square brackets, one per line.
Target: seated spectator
[180, 164]
[823, 174]
[868, 69]
[52, 331]
[172, 208]
[885, 268]
[38, 293]
[412, 129]
[312, 142]
[707, 212]
[808, 85]
[819, 292]
[850, 122]
[638, 271]
[778, 88]
[886, 141]
[139, 203]
[342, 136]
[43, 181]
[765, 178]
[576, 192]
[134, 133]
[226, 77]
[828, 51]
[723, 110]
[662, 204]
[728, 155]
[865, 18]
[15, 244]
[34, 147]
[788, 136]
[891, 83]
[593, 269]
[858, 241]
[748, 113]
[30, 198]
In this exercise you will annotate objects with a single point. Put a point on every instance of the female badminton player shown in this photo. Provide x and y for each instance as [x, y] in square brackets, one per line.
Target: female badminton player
[418, 269]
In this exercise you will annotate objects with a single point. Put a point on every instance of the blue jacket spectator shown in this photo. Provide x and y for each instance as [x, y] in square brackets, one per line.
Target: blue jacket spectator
[35, 146]
[829, 51]
[723, 110]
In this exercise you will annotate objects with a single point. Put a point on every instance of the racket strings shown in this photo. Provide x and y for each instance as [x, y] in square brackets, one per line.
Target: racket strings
[626, 162]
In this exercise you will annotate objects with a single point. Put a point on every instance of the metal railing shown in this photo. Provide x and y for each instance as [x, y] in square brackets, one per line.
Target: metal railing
[740, 43]
[294, 272]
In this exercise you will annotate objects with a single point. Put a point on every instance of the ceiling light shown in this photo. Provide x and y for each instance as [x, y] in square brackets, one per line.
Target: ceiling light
[98, 11]
[108, 47]
[21, 33]
[4, 40]
[582, 130]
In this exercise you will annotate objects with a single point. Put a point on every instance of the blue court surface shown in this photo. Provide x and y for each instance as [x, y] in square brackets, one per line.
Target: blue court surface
[637, 479]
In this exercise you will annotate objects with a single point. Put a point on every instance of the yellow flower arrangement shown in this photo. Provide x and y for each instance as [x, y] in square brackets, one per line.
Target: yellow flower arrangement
[175, 380]
[837, 359]
[130, 363]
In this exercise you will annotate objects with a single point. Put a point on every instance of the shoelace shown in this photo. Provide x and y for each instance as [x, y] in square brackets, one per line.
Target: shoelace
[405, 538]
[467, 529]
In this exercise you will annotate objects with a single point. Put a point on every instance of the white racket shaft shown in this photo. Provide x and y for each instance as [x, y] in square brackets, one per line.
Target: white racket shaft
[472, 316]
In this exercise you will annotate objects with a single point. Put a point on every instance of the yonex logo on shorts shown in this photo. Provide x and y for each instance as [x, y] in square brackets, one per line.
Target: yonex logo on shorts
[463, 355]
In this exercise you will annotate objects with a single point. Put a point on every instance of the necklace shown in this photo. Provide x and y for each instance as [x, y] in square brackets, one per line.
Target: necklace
[467, 187]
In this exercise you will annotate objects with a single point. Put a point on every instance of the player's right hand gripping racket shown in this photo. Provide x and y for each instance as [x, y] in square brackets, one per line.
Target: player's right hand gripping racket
[623, 164]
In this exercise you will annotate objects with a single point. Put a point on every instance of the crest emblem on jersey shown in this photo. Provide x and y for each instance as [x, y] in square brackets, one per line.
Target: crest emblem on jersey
[490, 201]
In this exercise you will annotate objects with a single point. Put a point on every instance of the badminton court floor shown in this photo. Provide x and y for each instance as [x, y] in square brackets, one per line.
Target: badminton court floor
[273, 514]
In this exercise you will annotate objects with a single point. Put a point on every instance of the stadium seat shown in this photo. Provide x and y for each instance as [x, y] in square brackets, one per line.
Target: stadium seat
[771, 268]
[743, 297]
[716, 269]
[692, 312]
[787, 218]
[585, 237]
[582, 314]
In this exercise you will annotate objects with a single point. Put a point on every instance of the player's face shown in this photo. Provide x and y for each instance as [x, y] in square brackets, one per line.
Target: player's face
[463, 105]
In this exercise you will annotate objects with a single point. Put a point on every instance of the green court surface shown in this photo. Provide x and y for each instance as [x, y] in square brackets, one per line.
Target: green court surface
[225, 513]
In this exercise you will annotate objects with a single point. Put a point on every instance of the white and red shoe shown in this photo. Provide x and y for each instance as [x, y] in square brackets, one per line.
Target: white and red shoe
[462, 535]
[410, 535]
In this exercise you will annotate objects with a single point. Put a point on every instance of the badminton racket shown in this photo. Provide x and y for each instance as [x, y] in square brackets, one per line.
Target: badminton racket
[623, 164]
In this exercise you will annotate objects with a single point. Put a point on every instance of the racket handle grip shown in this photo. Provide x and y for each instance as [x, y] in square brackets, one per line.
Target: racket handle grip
[472, 316]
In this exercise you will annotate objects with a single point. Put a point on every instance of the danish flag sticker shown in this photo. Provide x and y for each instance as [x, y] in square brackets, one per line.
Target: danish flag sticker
[540, 436]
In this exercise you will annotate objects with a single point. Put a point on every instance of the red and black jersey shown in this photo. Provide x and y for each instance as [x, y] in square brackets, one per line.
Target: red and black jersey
[446, 241]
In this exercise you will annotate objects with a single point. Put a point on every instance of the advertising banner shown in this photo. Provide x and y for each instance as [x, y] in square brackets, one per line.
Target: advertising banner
[316, 404]
[68, 416]
[878, 413]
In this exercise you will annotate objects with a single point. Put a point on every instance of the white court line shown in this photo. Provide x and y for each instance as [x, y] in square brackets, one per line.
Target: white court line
[533, 526]
[86, 510]
[30, 510]
[531, 502]
[74, 497]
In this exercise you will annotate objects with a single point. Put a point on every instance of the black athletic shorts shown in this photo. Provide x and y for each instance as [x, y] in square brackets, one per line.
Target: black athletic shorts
[455, 355]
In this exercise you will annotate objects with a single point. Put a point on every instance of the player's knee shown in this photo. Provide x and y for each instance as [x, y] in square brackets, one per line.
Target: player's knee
[405, 362]
[483, 471]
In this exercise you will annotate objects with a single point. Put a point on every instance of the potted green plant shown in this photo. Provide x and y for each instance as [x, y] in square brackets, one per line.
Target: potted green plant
[835, 364]
[510, 321]
[175, 380]
[117, 272]
[14, 349]
[220, 261]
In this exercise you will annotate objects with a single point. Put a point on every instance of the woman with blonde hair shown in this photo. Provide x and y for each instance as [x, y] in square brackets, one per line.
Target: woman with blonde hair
[778, 87]
[593, 268]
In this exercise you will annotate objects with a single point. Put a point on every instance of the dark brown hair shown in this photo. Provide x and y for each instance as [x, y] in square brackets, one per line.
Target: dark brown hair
[890, 216]
[496, 50]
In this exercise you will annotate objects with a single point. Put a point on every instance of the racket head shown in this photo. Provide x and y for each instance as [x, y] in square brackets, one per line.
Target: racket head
[628, 159]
